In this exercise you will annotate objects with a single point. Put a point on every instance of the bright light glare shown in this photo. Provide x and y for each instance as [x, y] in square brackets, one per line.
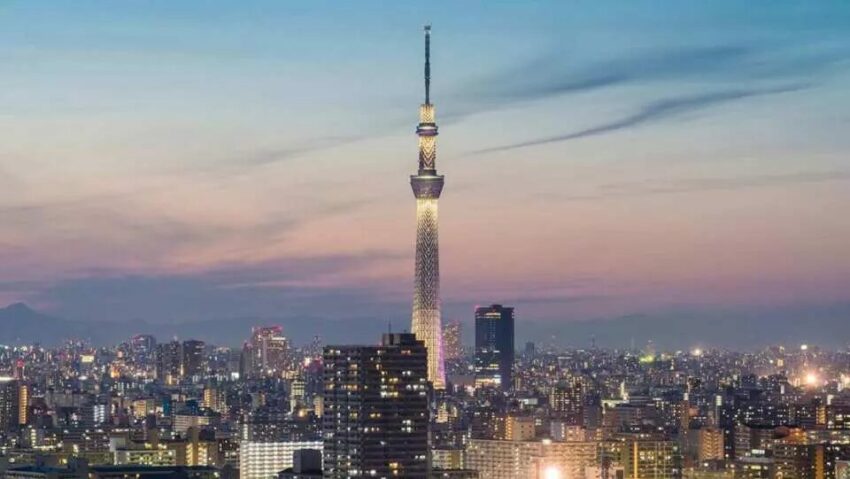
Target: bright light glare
[697, 352]
[811, 379]
[552, 472]
[804, 347]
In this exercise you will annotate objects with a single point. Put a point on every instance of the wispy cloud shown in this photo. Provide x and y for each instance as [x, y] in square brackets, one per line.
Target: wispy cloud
[558, 72]
[554, 74]
[651, 187]
[107, 228]
[653, 112]
[265, 157]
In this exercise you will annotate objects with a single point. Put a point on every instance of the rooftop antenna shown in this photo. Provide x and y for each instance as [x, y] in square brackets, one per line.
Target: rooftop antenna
[428, 64]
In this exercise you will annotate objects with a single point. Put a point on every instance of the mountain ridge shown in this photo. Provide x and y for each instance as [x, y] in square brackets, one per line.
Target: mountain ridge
[826, 326]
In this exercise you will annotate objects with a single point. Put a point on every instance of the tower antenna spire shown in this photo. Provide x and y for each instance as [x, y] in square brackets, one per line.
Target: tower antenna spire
[428, 64]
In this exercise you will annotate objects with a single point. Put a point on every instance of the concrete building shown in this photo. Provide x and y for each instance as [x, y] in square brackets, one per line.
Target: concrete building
[376, 420]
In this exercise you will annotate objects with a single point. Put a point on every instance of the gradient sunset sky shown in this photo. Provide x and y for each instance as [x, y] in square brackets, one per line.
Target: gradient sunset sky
[187, 160]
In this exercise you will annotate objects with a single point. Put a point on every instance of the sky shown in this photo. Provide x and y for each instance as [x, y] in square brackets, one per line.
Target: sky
[181, 161]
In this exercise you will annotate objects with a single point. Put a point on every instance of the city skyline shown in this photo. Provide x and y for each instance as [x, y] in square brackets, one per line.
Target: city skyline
[210, 268]
[174, 175]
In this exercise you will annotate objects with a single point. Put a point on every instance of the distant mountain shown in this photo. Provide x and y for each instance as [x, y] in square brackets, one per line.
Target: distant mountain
[824, 325]
[827, 326]
[20, 324]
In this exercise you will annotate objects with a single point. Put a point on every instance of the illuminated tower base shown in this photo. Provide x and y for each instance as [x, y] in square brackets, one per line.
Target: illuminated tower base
[426, 322]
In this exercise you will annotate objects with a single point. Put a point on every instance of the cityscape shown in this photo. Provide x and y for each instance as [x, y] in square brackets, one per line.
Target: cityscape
[272, 409]
[511, 372]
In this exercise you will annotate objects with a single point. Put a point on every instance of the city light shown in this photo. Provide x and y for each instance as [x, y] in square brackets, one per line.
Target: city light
[613, 303]
[552, 472]
[811, 379]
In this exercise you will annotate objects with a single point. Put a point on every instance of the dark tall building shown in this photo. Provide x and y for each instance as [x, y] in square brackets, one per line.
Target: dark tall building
[192, 358]
[376, 414]
[14, 403]
[169, 359]
[494, 346]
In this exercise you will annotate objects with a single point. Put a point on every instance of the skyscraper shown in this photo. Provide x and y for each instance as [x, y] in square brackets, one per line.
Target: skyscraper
[427, 186]
[376, 416]
[452, 342]
[14, 404]
[192, 358]
[266, 352]
[494, 345]
[169, 359]
[650, 458]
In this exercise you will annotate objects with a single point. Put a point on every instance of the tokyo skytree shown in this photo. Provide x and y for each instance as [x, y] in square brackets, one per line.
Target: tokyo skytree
[427, 186]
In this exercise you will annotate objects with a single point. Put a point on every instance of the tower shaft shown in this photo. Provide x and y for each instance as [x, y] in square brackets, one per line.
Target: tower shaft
[427, 186]
[426, 320]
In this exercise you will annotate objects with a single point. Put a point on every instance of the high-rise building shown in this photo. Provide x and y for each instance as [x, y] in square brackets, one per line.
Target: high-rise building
[192, 358]
[266, 353]
[14, 404]
[710, 444]
[452, 343]
[649, 459]
[427, 186]
[142, 347]
[494, 346]
[169, 359]
[215, 399]
[566, 400]
[376, 414]
[519, 428]
[100, 413]
[803, 459]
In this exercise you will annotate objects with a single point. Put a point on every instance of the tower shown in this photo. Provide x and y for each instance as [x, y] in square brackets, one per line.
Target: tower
[427, 186]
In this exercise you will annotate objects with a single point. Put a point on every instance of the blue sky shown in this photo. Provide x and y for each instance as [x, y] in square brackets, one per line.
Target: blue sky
[187, 160]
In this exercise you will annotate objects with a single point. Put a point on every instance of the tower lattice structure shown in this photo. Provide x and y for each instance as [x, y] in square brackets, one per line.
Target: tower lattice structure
[427, 186]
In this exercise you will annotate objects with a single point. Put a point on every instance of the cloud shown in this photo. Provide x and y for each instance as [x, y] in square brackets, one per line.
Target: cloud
[126, 212]
[265, 157]
[17, 286]
[551, 75]
[559, 72]
[691, 185]
[653, 112]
